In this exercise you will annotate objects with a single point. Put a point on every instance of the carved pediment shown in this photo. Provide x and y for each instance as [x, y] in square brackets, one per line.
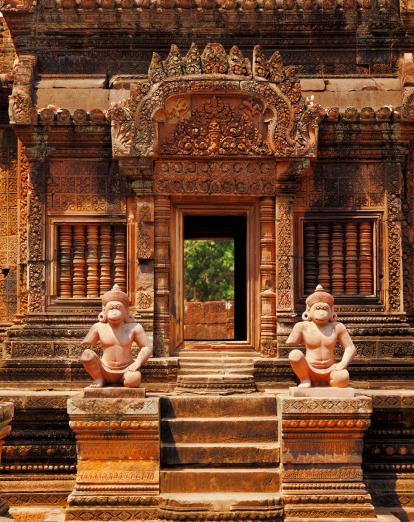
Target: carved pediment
[214, 103]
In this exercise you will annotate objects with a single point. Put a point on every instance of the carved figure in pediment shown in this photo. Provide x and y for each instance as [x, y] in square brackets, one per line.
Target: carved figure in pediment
[217, 128]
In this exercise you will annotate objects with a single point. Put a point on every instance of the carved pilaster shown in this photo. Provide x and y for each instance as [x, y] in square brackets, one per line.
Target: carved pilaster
[162, 275]
[284, 253]
[267, 278]
[23, 168]
[36, 236]
[145, 255]
[394, 241]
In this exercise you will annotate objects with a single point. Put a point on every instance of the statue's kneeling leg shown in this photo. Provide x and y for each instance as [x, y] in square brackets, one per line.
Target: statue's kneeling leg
[93, 366]
[339, 379]
[132, 379]
[300, 367]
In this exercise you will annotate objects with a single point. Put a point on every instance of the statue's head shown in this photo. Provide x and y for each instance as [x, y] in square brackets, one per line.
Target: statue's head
[115, 306]
[319, 307]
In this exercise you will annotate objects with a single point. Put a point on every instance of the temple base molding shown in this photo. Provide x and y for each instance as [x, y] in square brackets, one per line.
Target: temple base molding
[321, 454]
[118, 446]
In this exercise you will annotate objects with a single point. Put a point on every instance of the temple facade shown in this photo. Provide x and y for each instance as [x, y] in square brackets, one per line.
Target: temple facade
[131, 126]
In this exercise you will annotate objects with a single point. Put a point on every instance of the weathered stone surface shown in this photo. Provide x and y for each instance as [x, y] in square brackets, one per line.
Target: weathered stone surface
[118, 441]
[6, 415]
[321, 456]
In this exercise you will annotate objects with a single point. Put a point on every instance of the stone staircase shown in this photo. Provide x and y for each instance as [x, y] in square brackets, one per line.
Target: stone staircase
[220, 458]
[206, 371]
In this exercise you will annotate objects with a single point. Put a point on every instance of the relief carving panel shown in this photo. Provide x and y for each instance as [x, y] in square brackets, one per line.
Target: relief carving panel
[86, 187]
[213, 177]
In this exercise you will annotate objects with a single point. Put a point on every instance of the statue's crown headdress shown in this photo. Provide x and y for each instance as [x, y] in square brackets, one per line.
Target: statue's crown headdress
[115, 294]
[320, 296]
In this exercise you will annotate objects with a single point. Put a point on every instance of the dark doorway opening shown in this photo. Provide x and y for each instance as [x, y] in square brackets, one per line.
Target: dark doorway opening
[215, 277]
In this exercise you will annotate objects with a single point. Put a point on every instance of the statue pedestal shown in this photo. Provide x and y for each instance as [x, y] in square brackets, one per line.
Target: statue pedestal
[118, 445]
[321, 455]
[6, 415]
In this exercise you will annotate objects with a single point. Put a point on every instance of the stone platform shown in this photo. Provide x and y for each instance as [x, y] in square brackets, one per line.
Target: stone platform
[118, 446]
[322, 442]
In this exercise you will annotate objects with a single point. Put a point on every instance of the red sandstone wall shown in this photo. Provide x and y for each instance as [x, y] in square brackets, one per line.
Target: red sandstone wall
[209, 320]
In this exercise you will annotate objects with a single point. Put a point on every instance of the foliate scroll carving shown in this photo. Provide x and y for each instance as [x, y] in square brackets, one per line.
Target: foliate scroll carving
[394, 207]
[214, 177]
[23, 177]
[21, 107]
[284, 253]
[36, 246]
[145, 232]
[292, 125]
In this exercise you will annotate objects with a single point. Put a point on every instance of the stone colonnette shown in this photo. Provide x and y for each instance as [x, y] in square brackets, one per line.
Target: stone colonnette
[6, 415]
[118, 447]
[322, 442]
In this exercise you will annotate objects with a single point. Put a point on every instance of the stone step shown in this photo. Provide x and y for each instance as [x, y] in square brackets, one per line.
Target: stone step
[214, 353]
[218, 453]
[188, 480]
[232, 430]
[217, 371]
[255, 405]
[215, 363]
[198, 507]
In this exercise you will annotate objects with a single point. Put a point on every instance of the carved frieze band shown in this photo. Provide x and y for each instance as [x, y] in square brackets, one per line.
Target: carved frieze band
[213, 177]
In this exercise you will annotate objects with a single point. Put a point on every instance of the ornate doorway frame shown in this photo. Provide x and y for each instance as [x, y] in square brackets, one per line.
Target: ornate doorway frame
[187, 205]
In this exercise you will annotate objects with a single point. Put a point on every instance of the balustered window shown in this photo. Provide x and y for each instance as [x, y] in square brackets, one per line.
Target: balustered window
[340, 256]
[91, 258]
